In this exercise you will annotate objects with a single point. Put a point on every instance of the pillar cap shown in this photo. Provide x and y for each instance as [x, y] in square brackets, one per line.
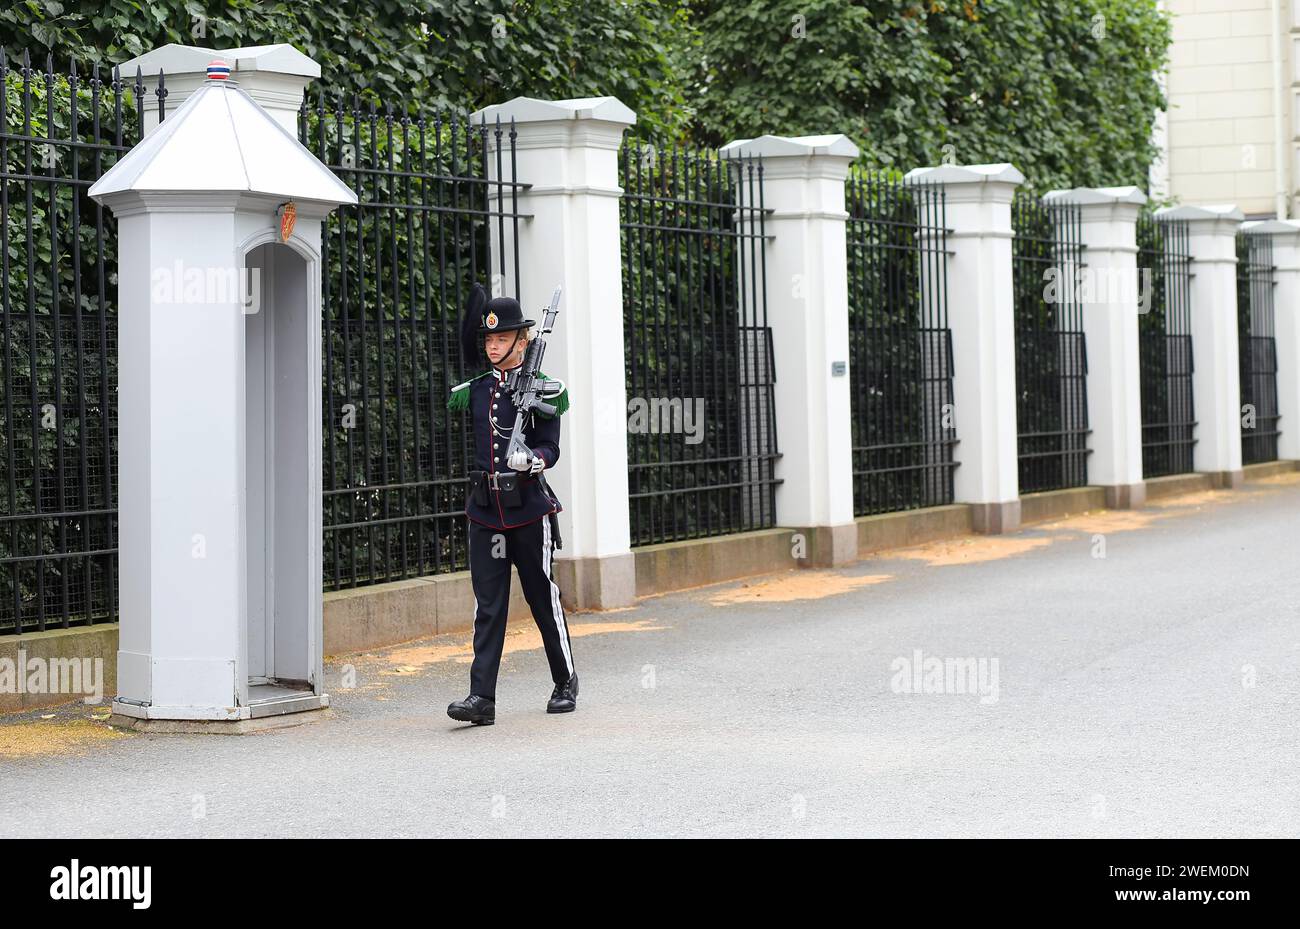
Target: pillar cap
[836, 145]
[193, 59]
[1089, 196]
[532, 110]
[1228, 211]
[1002, 172]
[1271, 227]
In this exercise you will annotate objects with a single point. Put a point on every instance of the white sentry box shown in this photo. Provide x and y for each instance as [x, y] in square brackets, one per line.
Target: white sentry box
[219, 418]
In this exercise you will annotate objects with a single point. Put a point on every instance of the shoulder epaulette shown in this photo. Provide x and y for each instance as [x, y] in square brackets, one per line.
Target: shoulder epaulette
[459, 399]
[560, 400]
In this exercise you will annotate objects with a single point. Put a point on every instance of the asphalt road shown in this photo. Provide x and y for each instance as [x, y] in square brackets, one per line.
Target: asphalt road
[1150, 692]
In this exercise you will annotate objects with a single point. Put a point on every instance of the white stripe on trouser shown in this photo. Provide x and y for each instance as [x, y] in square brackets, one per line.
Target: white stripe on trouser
[557, 611]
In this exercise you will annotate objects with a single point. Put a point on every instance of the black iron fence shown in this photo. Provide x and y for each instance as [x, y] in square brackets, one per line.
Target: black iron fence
[701, 411]
[1257, 349]
[397, 268]
[900, 348]
[58, 423]
[1051, 357]
[1165, 346]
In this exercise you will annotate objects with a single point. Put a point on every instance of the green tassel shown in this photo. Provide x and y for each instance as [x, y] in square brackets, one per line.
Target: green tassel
[459, 399]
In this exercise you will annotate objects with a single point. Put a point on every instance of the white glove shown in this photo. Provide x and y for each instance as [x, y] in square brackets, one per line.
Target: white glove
[518, 461]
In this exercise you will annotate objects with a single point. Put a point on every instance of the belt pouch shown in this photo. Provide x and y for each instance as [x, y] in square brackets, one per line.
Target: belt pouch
[509, 484]
[479, 487]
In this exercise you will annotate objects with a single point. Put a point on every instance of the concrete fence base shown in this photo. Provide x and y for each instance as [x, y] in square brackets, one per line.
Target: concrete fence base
[54, 649]
[1055, 504]
[1175, 484]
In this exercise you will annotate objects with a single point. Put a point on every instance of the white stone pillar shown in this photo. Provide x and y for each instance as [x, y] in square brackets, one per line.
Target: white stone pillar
[567, 151]
[807, 310]
[1108, 294]
[1216, 381]
[273, 75]
[981, 305]
[1286, 327]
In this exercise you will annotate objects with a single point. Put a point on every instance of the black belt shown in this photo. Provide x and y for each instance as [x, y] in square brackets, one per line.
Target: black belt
[492, 477]
[507, 483]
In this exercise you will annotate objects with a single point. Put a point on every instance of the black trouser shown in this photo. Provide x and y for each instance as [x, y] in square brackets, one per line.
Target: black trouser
[491, 552]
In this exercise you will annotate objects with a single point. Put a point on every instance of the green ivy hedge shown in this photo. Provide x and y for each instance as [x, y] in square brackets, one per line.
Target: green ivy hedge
[1064, 89]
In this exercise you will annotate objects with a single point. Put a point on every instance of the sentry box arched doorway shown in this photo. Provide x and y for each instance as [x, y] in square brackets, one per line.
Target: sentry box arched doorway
[282, 505]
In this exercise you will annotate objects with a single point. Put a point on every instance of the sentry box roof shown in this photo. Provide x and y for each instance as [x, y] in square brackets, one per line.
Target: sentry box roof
[221, 140]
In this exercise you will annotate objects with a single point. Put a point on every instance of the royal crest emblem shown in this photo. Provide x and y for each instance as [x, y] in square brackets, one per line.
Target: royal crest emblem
[491, 321]
[288, 216]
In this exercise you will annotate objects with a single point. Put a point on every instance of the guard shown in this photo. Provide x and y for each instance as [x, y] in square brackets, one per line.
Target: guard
[510, 508]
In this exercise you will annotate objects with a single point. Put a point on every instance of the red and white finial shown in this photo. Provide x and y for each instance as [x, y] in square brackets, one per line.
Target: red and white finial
[218, 70]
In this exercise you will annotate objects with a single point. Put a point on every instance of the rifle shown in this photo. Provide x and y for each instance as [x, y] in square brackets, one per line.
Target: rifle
[530, 393]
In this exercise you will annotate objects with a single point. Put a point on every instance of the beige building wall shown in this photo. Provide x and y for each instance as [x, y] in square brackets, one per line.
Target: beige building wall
[1227, 106]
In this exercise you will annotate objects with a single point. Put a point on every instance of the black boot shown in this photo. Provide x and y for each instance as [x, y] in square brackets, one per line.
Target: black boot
[564, 698]
[476, 709]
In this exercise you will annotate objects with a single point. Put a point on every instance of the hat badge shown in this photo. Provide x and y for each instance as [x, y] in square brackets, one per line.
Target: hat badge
[491, 321]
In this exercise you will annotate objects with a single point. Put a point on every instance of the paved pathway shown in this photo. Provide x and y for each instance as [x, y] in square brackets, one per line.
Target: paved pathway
[1151, 692]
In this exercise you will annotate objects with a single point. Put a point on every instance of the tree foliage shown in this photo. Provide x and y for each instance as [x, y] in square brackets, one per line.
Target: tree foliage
[1064, 89]
[408, 53]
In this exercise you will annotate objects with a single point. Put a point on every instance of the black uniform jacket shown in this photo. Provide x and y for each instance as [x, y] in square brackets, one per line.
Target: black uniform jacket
[492, 412]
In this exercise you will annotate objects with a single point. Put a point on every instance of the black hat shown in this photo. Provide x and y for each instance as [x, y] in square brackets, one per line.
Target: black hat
[503, 314]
